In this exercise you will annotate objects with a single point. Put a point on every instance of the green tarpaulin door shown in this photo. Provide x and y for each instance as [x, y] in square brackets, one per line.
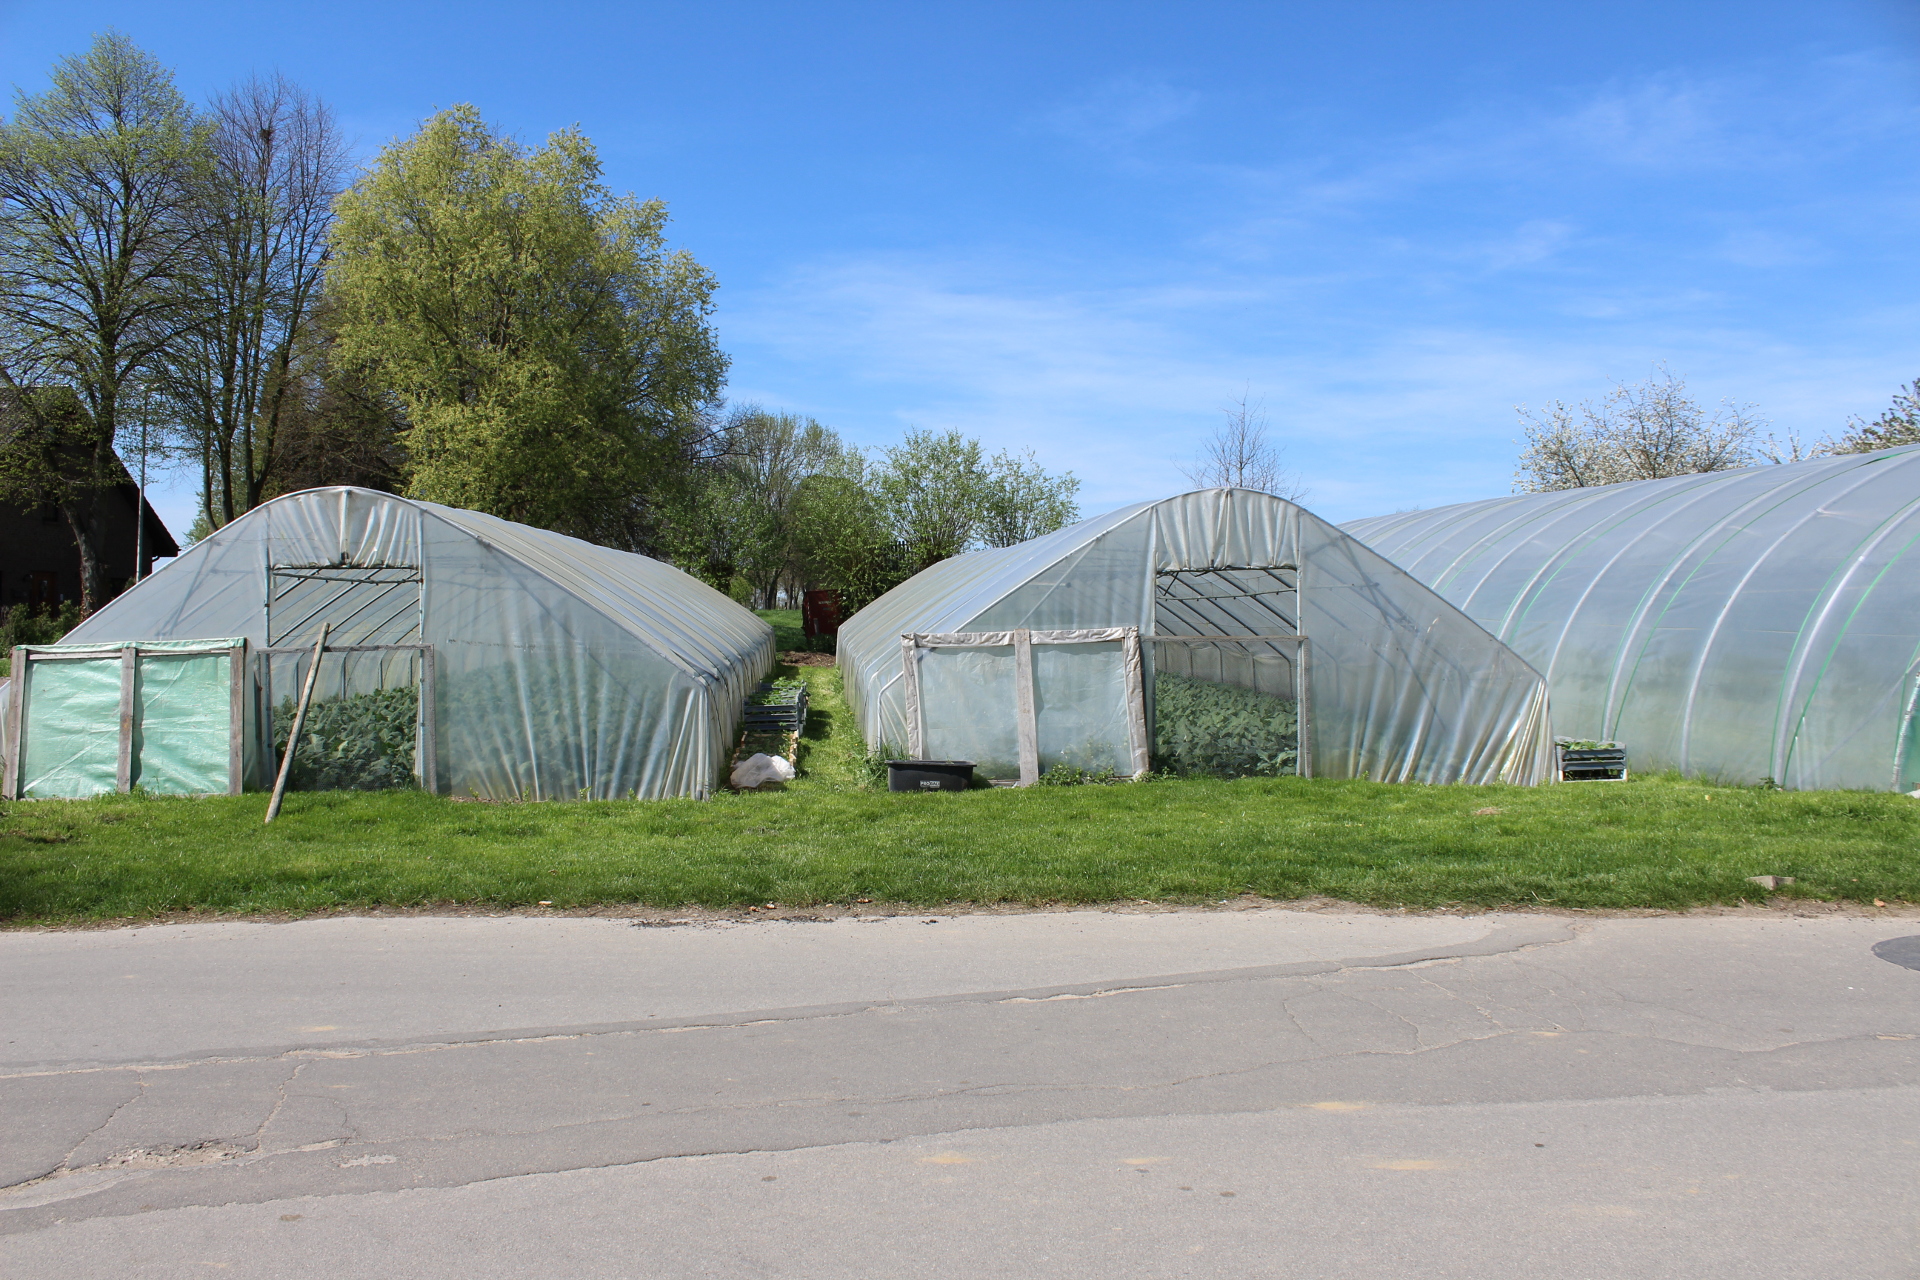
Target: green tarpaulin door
[71, 734]
[183, 723]
[180, 698]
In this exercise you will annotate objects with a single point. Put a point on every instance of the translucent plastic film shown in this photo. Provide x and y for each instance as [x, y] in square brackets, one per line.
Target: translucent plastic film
[1080, 707]
[183, 723]
[1403, 686]
[1741, 625]
[562, 669]
[71, 736]
[968, 695]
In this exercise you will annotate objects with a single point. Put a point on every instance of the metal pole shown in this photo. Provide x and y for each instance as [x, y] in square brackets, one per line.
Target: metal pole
[140, 506]
[299, 718]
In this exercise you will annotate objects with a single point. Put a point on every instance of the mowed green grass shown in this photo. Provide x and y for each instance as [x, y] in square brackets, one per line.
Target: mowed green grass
[1650, 842]
[788, 633]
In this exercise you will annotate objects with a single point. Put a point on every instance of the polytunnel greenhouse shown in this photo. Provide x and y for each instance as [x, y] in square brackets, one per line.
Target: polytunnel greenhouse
[1224, 632]
[462, 653]
[1739, 625]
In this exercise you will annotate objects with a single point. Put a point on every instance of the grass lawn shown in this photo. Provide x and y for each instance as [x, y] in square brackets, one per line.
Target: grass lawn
[830, 837]
[787, 632]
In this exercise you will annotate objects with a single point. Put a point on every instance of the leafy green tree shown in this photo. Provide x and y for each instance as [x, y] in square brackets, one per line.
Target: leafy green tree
[841, 539]
[940, 496]
[552, 354]
[930, 489]
[1019, 500]
[98, 182]
[783, 506]
[331, 424]
[767, 457]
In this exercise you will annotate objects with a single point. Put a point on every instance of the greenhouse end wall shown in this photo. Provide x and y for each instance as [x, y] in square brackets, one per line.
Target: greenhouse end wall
[1741, 626]
[562, 669]
[1402, 685]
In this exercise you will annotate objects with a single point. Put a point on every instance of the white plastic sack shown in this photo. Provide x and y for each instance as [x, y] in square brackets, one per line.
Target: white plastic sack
[760, 768]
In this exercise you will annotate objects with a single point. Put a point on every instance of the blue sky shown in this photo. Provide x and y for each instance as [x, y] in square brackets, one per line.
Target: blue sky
[1083, 228]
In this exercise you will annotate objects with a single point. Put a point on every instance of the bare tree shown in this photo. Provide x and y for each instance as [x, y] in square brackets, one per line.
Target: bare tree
[1642, 432]
[1239, 455]
[264, 215]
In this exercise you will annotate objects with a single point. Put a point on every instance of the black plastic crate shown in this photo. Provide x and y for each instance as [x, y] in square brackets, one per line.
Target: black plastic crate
[1593, 764]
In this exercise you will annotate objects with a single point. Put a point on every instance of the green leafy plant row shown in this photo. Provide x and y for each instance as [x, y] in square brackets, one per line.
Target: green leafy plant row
[360, 742]
[1220, 731]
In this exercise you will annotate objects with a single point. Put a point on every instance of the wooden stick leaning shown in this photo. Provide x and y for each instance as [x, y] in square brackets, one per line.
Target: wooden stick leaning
[299, 718]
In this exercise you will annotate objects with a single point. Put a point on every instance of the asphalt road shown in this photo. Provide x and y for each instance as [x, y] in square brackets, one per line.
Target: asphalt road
[1232, 1093]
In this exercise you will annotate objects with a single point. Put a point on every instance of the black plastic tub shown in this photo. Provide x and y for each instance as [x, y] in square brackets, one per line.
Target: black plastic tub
[1593, 764]
[929, 775]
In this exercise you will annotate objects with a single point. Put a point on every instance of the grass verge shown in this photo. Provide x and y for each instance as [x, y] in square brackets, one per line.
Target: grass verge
[829, 837]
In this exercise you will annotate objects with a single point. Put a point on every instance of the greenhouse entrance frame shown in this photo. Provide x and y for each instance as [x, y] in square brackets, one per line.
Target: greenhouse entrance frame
[426, 760]
[1189, 597]
[1026, 718]
[1303, 680]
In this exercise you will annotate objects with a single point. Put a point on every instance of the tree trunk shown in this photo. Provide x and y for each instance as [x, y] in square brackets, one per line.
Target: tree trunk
[82, 514]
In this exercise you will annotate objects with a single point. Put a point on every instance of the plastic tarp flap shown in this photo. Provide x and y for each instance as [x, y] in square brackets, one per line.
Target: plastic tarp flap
[1080, 706]
[562, 669]
[183, 722]
[181, 726]
[975, 688]
[1404, 686]
[1738, 625]
[71, 732]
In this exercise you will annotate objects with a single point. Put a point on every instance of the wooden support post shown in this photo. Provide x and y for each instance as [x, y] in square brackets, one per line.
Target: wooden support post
[1139, 732]
[299, 718]
[1027, 720]
[129, 671]
[237, 719]
[16, 717]
[426, 746]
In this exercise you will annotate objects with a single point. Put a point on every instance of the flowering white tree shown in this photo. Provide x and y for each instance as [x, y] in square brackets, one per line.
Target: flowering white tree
[1643, 432]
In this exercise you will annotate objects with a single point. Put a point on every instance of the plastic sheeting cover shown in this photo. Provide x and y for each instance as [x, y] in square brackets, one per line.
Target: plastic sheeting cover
[1741, 625]
[563, 669]
[182, 721]
[1404, 686]
[70, 738]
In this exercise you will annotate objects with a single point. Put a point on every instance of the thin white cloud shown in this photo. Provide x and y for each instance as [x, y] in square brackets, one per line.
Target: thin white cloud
[1115, 115]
